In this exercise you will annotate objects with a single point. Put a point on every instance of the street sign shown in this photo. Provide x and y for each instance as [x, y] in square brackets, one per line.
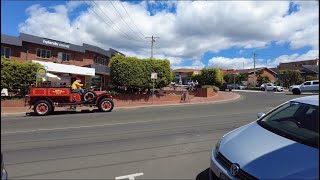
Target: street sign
[154, 75]
[41, 72]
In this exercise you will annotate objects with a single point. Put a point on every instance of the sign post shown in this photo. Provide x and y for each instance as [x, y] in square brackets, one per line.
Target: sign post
[153, 77]
[41, 73]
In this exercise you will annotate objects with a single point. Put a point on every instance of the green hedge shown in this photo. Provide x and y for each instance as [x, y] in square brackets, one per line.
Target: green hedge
[209, 76]
[135, 73]
[17, 75]
[215, 88]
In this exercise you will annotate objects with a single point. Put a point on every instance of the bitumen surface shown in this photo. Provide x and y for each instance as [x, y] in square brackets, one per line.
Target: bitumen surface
[166, 142]
[220, 97]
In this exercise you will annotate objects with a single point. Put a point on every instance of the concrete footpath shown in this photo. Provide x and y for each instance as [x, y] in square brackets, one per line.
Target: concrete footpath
[220, 97]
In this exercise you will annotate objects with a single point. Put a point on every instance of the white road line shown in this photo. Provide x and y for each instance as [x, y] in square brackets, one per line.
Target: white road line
[64, 128]
[130, 176]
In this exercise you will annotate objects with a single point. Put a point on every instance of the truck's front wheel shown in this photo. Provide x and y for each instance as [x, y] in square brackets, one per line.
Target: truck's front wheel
[105, 105]
[42, 108]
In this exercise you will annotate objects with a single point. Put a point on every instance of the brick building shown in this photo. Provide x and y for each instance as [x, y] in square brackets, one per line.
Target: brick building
[184, 74]
[66, 60]
[306, 68]
[298, 64]
[267, 72]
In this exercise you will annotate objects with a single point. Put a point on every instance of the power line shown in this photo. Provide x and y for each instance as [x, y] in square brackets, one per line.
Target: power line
[132, 20]
[123, 19]
[112, 21]
[104, 20]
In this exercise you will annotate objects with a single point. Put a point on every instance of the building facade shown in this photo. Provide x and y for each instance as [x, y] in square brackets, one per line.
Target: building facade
[184, 75]
[47, 51]
[306, 68]
[267, 72]
[298, 64]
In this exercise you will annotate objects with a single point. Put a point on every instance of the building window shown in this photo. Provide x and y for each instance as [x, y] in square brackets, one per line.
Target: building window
[5, 51]
[65, 57]
[100, 60]
[43, 53]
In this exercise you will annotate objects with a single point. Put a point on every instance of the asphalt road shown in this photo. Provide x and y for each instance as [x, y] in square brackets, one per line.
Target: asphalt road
[172, 142]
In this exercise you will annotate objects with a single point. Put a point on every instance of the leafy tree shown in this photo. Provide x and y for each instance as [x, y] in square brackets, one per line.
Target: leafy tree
[310, 78]
[17, 75]
[228, 78]
[209, 76]
[290, 77]
[135, 73]
[238, 78]
[262, 80]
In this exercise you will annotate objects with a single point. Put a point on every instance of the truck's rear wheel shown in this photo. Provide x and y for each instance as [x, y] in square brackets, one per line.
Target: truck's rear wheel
[42, 108]
[296, 91]
[105, 105]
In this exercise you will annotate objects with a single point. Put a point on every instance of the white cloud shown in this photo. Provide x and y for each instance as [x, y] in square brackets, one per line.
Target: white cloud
[312, 54]
[230, 63]
[246, 63]
[196, 27]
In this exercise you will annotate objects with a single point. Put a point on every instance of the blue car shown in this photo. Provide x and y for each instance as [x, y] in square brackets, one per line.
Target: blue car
[282, 144]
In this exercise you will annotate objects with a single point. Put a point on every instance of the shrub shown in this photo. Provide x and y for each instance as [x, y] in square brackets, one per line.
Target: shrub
[135, 73]
[17, 75]
[215, 88]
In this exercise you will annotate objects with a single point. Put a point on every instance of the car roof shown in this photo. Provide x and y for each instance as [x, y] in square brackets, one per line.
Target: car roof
[313, 100]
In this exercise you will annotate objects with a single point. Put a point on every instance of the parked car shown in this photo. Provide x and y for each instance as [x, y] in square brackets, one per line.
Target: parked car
[235, 86]
[308, 86]
[225, 87]
[271, 87]
[4, 174]
[282, 144]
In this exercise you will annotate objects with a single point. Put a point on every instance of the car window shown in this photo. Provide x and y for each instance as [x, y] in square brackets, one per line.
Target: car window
[315, 82]
[295, 121]
[307, 83]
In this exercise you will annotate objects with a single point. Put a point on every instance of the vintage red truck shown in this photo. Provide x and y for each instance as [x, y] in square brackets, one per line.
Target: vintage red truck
[45, 99]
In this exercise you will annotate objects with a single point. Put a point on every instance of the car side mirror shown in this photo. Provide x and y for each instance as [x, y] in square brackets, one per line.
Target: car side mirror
[260, 114]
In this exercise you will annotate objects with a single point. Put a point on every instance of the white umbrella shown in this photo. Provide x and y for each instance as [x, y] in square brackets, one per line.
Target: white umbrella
[51, 77]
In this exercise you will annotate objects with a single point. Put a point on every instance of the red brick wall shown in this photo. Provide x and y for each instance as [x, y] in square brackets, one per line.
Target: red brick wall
[76, 58]
[206, 92]
[14, 51]
[265, 73]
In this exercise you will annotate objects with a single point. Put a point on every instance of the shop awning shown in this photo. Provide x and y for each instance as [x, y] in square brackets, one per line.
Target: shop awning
[51, 77]
[63, 68]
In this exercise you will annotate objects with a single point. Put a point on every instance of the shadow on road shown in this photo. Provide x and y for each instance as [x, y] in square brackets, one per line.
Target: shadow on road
[67, 112]
[204, 175]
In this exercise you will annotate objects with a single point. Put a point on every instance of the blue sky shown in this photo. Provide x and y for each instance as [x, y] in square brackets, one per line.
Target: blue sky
[192, 34]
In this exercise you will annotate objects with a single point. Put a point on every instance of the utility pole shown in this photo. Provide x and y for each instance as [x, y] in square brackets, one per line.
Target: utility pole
[254, 69]
[152, 41]
[242, 67]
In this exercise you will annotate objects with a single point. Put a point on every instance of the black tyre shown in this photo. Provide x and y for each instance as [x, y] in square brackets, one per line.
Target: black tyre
[42, 108]
[296, 91]
[263, 89]
[274, 89]
[230, 89]
[89, 95]
[105, 105]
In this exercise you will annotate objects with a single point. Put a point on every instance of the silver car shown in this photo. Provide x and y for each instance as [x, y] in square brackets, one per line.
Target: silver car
[271, 87]
[282, 144]
[4, 174]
